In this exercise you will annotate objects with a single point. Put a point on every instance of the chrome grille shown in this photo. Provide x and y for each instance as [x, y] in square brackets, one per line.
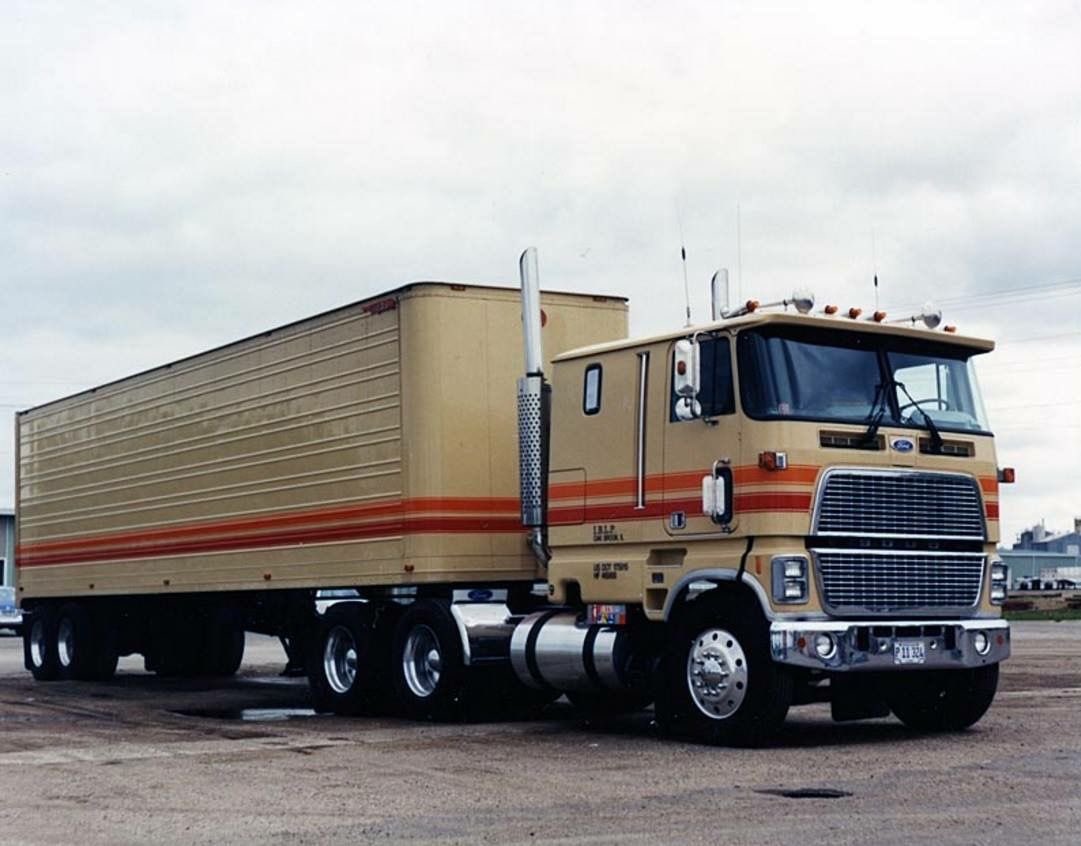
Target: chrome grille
[900, 504]
[875, 583]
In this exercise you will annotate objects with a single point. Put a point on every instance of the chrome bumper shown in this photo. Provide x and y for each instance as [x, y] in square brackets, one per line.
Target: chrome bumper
[870, 645]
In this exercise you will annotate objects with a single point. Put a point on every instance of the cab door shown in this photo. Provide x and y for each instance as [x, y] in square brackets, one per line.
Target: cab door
[702, 446]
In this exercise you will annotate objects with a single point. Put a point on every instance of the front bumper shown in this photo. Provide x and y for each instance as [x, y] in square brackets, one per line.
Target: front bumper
[867, 645]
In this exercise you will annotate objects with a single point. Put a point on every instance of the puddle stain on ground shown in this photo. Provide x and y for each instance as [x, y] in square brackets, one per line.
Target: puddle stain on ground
[248, 715]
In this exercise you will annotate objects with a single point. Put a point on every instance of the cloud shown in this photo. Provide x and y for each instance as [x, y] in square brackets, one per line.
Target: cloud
[176, 176]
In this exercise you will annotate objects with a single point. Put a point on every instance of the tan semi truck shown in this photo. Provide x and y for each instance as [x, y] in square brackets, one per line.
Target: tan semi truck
[773, 508]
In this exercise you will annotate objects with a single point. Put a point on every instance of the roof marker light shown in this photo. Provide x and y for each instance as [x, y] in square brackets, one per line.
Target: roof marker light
[950, 329]
[878, 316]
[830, 309]
[855, 312]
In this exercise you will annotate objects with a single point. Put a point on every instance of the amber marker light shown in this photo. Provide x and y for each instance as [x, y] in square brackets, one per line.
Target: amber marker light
[878, 316]
[951, 329]
[830, 309]
[855, 312]
[1006, 475]
[751, 306]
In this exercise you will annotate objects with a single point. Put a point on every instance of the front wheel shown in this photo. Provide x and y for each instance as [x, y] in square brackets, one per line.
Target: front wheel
[943, 700]
[719, 684]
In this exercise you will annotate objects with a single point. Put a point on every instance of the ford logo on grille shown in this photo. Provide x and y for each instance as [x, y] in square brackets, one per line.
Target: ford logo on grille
[902, 444]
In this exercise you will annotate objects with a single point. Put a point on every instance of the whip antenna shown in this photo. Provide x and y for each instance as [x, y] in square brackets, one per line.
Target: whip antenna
[683, 256]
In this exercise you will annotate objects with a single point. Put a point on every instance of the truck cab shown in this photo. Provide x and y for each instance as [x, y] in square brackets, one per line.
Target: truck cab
[825, 484]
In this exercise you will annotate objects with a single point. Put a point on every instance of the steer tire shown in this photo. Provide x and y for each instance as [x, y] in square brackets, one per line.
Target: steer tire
[743, 695]
[943, 700]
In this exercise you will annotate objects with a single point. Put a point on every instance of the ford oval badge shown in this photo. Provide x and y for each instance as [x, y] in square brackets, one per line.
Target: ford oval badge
[479, 595]
[902, 444]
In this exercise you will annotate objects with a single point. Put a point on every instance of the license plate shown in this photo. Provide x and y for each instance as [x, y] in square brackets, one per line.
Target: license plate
[909, 652]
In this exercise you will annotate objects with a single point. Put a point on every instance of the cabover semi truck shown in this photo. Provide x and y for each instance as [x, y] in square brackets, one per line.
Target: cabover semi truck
[776, 507]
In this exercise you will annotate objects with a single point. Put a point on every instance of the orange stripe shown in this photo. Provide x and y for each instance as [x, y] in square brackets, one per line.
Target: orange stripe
[989, 485]
[799, 474]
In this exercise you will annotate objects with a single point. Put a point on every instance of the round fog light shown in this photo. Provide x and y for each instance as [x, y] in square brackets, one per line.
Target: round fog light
[981, 643]
[825, 646]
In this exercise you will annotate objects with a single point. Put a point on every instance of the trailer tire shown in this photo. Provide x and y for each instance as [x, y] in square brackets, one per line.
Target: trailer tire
[718, 682]
[85, 644]
[223, 650]
[339, 663]
[427, 665]
[943, 700]
[39, 644]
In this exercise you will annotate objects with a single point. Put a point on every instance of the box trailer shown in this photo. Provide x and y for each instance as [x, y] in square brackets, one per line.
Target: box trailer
[775, 507]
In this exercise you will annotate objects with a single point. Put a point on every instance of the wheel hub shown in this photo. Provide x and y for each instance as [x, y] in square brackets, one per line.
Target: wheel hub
[37, 643]
[422, 661]
[65, 642]
[717, 673]
[340, 660]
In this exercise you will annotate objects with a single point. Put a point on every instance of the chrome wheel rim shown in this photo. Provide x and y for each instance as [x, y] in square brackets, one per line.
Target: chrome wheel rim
[340, 660]
[65, 641]
[422, 661]
[717, 673]
[37, 643]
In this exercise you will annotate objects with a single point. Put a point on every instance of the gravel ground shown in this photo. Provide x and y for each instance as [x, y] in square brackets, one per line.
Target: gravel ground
[122, 763]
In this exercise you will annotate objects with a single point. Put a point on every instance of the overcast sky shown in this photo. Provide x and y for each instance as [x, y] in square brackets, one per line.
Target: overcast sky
[177, 175]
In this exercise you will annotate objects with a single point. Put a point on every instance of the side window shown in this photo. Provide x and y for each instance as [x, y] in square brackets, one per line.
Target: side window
[715, 363]
[591, 389]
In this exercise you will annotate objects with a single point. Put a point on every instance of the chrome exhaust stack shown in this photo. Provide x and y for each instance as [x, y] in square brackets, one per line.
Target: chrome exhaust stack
[534, 413]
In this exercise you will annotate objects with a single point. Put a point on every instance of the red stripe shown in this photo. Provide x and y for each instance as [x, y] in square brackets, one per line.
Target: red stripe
[349, 532]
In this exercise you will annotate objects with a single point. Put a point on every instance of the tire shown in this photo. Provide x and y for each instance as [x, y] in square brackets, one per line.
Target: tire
[427, 667]
[85, 644]
[718, 683]
[943, 700]
[223, 649]
[39, 644]
[339, 664]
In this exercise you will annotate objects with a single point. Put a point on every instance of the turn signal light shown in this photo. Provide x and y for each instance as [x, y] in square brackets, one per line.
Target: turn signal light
[773, 461]
[1006, 475]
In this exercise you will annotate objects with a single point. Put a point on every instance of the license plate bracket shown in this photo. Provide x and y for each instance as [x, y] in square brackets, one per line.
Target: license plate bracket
[909, 652]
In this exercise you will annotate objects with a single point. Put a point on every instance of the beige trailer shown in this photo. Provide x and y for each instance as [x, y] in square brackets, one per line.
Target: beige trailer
[768, 509]
[375, 444]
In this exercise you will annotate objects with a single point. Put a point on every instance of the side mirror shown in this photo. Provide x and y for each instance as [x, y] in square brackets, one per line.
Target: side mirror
[717, 494]
[686, 379]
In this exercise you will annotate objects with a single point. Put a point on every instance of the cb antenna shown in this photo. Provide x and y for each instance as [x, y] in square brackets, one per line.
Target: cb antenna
[683, 256]
[874, 265]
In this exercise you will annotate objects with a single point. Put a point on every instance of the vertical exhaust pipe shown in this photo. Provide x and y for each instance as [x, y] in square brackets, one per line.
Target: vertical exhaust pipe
[534, 413]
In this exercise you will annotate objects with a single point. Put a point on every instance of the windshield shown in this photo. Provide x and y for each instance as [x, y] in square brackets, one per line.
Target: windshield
[792, 372]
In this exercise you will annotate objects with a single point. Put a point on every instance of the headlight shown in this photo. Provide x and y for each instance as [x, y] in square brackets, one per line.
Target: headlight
[1000, 579]
[981, 643]
[789, 577]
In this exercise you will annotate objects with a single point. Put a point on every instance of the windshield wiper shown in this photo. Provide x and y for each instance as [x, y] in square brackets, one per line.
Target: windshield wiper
[932, 427]
[878, 410]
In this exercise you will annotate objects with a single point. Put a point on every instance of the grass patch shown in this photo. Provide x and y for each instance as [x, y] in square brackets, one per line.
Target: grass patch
[1056, 615]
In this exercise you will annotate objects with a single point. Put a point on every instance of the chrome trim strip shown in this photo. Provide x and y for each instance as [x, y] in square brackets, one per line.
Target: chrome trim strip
[643, 370]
